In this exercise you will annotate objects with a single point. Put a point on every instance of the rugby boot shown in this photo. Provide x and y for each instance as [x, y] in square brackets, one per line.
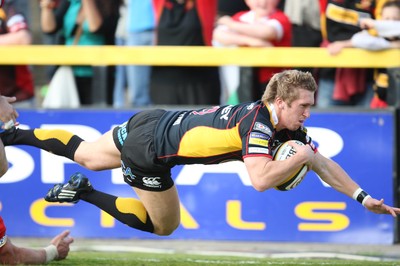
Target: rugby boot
[70, 192]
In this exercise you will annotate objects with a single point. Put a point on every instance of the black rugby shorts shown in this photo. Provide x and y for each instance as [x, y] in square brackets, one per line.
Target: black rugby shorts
[140, 166]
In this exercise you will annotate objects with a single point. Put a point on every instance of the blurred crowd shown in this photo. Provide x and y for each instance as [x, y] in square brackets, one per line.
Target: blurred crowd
[333, 24]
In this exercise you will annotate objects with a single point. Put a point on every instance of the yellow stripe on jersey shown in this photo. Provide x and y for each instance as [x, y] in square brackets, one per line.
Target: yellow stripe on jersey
[206, 141]
[343, 15]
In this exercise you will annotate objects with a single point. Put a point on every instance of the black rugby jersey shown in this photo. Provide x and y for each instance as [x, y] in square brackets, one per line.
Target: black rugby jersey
[216, 134]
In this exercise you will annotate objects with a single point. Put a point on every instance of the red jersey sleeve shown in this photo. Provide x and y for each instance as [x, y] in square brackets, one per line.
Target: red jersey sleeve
[3, 237]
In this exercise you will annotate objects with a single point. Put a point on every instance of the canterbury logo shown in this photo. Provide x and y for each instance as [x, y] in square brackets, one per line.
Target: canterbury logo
[151, 181]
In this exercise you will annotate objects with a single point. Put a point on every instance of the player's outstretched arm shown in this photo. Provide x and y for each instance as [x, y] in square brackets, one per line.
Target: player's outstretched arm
[333, 174]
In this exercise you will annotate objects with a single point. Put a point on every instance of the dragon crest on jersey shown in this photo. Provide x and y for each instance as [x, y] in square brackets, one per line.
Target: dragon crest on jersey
[127, 172]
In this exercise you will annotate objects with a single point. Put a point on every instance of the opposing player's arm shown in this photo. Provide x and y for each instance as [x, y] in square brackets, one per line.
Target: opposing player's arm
[13, 255]
[58, 249]
[3, 160]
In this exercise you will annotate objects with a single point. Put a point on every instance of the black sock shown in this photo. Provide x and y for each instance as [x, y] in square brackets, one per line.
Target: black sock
[129, 211]
[57, 141]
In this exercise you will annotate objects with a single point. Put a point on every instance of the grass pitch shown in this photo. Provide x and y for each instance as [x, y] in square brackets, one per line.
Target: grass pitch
[78, 258]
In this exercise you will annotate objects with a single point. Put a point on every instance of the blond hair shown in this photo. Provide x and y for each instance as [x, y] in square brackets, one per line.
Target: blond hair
[286, 85]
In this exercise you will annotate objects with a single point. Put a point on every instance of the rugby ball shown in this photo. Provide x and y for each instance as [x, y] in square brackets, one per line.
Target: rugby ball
[282, 152]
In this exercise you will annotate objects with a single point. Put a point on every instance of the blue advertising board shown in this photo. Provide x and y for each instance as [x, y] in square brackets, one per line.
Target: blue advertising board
[217, 201]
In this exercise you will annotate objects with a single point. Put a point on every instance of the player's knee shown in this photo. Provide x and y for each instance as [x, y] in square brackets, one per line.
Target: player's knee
[88, 162]
[166, 230]
[3, 168]
[91, 165]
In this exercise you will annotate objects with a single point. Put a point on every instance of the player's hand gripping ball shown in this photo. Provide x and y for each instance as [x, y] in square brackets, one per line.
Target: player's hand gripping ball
[282, 152]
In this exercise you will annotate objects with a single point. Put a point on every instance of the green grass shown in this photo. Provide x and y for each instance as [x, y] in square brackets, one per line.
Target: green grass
[78, 258]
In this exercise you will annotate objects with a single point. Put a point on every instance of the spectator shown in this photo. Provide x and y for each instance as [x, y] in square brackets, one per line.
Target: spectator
[51, 39]
[98, 20]
[231, 7]
[138, 30]
[344, 86]
[365, 40]
[120, 83]
[15, 80]
[141, 25]
[186, 23]
[306, 25]
[263, 26]
[229, 75]
[383, 28]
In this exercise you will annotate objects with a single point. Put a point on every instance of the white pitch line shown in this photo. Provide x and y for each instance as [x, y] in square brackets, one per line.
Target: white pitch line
[119, 248]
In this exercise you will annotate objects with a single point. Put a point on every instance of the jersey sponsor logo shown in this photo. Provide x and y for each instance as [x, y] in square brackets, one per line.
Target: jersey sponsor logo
[179, 119]
[122, 133]
[263, 128]
[3, 241]
[258, 139]
[151, 182]
[259, 135]
[258, 150]
[127, 172]
[260, 142]
[205, 111]
[250, 106]
[225, 112]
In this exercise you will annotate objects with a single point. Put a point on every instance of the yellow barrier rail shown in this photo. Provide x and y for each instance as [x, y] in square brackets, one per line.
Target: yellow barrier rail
[195, 56]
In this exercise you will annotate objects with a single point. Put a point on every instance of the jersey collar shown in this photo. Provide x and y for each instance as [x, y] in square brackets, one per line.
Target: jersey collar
[272, 112]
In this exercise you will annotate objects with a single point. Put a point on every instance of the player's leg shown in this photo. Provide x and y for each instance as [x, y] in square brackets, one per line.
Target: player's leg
[163, 208]
[98, 155]
[56, 141]
[156, 212]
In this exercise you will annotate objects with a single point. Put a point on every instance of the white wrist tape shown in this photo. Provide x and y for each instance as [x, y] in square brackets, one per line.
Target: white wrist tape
[365, 199]
[51, 253]
[361, 196]
[355, 194]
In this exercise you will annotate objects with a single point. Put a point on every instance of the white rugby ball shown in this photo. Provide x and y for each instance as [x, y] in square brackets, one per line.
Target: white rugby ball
[282, 152]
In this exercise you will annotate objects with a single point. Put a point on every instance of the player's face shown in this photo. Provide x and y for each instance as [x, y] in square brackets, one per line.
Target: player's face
[294, 116]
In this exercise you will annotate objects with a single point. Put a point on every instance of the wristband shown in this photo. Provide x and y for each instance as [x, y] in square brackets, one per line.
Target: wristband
[51, 253]
[361, 196]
